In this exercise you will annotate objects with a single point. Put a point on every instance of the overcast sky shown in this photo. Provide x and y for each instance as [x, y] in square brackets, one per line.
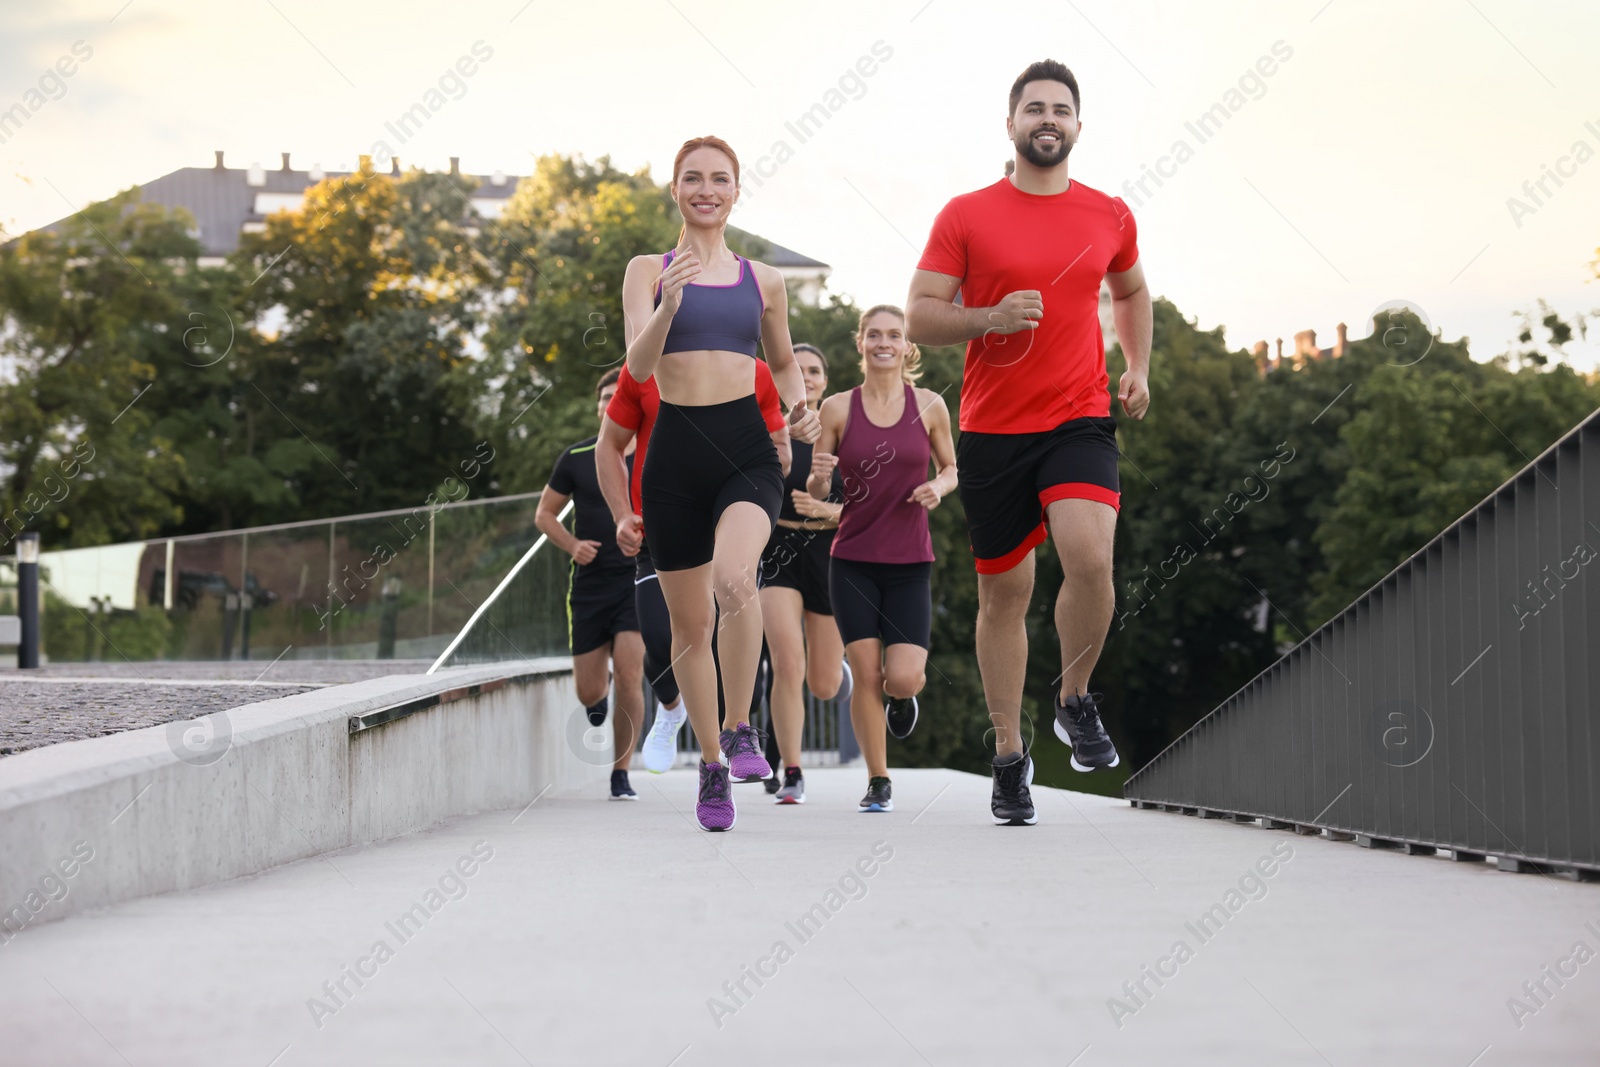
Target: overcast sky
[1373, 164]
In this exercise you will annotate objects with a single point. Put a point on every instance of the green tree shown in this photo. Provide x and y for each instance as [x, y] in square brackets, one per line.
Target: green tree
[88, 311]
[1433, 434]
[558, 255]
[353, 387]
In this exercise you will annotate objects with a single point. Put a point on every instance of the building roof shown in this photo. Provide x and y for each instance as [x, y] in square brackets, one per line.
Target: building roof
[775, 255]
[222, 201]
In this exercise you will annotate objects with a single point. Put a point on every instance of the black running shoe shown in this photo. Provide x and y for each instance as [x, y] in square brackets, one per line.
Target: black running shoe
[597, 712]
[877, 798]
[620, 789]
[794, 787]
[771, 785]
[901, 715]
[1078, 725]
[1011, 803]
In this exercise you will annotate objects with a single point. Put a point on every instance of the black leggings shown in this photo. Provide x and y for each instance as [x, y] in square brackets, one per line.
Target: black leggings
[655, 626]
[892, 602]
[701, 460]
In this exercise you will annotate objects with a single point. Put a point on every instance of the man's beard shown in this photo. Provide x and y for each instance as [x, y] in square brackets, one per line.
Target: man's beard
[1042, 158]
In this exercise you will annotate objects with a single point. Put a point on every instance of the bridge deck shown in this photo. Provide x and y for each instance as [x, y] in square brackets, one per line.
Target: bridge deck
[600, 933]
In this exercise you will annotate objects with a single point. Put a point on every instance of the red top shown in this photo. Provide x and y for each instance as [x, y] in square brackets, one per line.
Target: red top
[999, 240]
[634, 407]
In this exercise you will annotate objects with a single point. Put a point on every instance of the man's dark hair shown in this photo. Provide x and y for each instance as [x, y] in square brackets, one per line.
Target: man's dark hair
[610, 377]
[1046, 70]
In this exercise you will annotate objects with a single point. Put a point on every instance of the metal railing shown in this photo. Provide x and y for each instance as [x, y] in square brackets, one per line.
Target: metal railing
[389, 584]
[1454, 706]
[523, 615]
[493, 600]
[827, 738]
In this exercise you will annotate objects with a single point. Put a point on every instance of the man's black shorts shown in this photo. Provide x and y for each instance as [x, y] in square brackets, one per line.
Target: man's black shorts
[1007, 479]
[599, 606]
[799, 560]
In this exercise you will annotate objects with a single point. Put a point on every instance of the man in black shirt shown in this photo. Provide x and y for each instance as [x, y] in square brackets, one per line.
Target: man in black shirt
[601, 622]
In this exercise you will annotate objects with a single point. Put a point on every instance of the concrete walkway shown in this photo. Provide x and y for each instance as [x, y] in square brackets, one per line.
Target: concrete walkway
[589, 932]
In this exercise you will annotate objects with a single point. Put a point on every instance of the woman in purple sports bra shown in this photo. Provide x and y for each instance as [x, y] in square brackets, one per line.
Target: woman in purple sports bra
[880, 436]
[712, 485]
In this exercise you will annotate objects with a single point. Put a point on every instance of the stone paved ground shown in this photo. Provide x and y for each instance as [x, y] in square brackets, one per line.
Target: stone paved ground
[71, 701]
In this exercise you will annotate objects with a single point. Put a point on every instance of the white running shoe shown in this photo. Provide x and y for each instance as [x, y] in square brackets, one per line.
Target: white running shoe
[661, 743]
[847, 685]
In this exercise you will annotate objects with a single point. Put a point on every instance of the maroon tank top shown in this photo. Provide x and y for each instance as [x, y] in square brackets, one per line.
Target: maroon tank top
[880, 466]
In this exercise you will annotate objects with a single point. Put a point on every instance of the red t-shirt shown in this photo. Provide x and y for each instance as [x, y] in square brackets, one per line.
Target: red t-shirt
[634, 407]
[999, 240]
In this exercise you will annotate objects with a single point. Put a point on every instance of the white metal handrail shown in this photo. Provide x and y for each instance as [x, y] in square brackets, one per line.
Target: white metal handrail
[512, 573]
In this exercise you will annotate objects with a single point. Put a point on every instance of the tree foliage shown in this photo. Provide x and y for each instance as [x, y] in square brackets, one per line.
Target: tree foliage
[89, 313]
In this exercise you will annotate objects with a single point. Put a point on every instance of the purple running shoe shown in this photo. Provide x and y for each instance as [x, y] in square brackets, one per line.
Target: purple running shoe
[741, 747]
[714, 810]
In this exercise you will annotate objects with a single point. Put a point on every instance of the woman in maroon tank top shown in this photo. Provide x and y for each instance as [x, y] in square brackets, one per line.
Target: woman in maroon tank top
[880, 437]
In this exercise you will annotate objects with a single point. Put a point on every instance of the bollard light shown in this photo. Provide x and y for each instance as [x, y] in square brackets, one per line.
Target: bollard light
[28, 599]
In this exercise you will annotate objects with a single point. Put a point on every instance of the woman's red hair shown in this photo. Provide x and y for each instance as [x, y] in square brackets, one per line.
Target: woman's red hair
[704, 142]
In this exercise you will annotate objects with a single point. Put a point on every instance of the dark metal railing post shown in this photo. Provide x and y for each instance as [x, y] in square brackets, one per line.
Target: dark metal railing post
[28, 599]
[388, 617]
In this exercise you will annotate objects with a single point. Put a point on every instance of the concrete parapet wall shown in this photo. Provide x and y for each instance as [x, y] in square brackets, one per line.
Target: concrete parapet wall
[194, 803]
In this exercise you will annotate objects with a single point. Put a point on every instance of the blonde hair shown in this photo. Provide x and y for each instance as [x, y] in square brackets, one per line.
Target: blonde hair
[911, 368]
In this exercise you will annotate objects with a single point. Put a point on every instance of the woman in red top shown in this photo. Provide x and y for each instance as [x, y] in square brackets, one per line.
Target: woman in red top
[880, 436]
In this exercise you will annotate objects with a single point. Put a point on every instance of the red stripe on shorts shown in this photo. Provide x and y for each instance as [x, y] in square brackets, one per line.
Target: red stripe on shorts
[1080, 491]
[1014, 557]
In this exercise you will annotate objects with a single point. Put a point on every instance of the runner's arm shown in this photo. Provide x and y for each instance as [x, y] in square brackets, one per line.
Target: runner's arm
[933, 317]
[547, 519]
[1131, 313]
[775, 341]
[611, 468]
[645, 327]
[811, 508]
[612, 471]
[832, 414]
[936, 417]
[779, 350]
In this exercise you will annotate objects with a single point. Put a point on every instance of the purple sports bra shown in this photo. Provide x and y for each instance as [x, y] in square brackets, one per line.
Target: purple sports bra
[718, 318]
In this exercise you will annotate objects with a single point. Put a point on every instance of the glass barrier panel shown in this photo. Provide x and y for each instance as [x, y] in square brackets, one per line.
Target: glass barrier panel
[475, 547]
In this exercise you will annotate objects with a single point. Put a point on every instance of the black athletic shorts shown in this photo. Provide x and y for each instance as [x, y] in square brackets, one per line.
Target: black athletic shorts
[798, 559]
[701, 460]
[1007, 480]
[599, 606]
[892, 602]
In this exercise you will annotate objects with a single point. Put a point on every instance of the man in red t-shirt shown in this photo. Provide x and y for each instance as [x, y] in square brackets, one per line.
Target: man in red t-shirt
[632, 414]
[1038, 446]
